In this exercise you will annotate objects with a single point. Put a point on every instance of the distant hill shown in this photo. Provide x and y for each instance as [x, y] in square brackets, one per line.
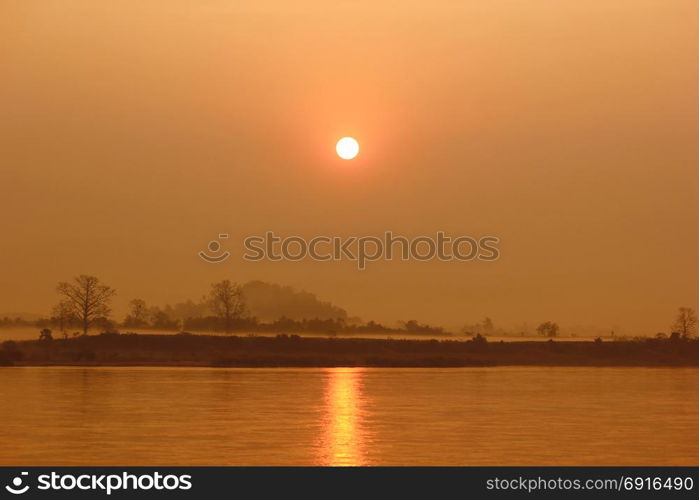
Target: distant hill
[269, 302]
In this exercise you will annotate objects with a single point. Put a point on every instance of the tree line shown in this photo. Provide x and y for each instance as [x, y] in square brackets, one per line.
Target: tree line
[85, 303]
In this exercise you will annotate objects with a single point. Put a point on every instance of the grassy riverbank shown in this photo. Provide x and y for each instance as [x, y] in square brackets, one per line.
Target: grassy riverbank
[294, 351]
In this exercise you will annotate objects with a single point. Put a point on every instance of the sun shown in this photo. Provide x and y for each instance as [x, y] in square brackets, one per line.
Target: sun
[347, 148]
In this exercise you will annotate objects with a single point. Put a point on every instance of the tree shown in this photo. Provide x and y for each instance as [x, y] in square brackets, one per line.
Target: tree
[138, 314]
[64, 315]
[45, 334]
[88, 299]
[548, 329]
[226, 300]
[685, 322]
[160, 320]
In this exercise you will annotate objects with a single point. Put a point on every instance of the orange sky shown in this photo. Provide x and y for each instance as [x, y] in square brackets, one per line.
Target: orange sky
[132, 133]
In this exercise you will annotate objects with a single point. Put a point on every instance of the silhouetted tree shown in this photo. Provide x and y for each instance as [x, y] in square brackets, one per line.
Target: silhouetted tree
[685, 322]
[64, 315]
[485, 328]
[88, 298]
[548, 329]
[479, 339]
[160, 320]
[138, 314]
[226, 300]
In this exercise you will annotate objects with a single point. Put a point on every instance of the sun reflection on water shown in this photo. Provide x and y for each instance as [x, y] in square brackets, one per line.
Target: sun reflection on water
[344, 438]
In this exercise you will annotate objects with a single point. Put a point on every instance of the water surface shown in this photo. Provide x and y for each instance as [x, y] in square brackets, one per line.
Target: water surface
[349, 416]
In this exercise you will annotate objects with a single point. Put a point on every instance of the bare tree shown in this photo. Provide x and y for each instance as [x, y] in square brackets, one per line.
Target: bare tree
[685, 322]
[138, 315]
[64, 314]
[88, 299]
[226, 300]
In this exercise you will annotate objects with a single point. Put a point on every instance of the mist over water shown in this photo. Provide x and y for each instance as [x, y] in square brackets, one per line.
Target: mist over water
[349, 416]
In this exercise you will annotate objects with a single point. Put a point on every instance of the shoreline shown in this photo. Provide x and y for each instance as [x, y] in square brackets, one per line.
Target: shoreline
[292, 351]
[320, 366]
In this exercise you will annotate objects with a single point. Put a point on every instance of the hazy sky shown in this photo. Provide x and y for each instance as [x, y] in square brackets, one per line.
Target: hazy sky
[133, 132]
